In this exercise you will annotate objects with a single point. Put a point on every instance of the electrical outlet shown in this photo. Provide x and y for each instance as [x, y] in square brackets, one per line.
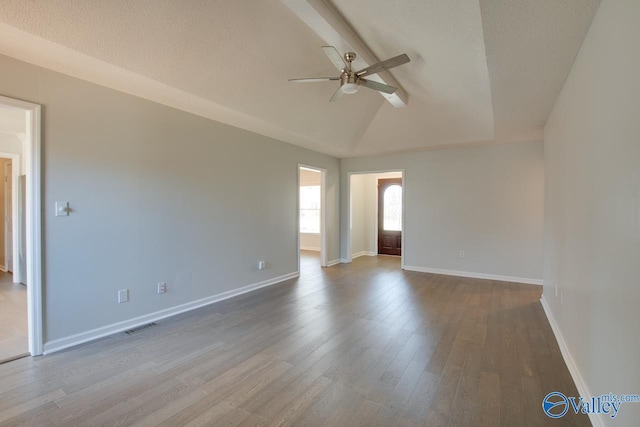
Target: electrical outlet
[162, 287]
[123, 296]
[261, 265]
[461, 254]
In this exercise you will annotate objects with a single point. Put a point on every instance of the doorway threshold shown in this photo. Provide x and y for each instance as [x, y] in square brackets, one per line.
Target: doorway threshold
[12, 358]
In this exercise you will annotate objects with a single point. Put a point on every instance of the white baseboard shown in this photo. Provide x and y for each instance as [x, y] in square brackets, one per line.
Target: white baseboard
[474, 275]
[363, 253]
[583, 390]
[309, 248]
[333, 262]
[83, 337]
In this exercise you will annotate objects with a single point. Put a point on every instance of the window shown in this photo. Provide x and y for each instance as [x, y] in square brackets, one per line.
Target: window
[392, 219]
[310, 209]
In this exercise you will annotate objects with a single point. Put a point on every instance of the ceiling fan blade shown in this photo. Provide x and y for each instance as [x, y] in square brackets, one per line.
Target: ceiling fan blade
[337, 94]
[380, 87]
[314, 79]
[384, 65]
[335, 57]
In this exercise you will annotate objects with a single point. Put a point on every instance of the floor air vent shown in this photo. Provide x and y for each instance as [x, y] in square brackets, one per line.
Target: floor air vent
[140, 328]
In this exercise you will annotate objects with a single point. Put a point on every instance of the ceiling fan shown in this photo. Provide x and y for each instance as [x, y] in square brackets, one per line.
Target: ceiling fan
[350, 80]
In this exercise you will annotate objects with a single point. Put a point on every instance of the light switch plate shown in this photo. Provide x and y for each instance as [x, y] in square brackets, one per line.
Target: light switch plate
[62, 208]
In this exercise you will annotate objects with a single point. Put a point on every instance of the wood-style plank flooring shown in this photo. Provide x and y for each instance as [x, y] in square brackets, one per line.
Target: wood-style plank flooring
[13, 318]
[359, 344]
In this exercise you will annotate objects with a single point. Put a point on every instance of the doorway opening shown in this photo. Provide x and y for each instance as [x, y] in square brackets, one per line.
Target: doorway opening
[20, 235]
[14, 329]
[311, 218]
[390, 216]
[376, 214]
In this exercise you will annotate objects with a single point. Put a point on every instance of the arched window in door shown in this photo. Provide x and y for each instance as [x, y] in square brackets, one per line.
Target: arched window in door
[392, 219]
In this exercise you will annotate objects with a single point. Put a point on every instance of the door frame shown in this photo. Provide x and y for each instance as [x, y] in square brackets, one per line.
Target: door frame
[31, 150]
[16, 231]
[323, 212]
[349, 207]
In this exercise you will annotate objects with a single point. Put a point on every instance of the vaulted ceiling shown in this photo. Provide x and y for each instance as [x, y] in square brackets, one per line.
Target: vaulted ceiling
[481, 71]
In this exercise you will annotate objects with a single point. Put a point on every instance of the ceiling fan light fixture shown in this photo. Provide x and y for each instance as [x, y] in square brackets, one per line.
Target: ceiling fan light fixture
[351, 80]
[349, 88]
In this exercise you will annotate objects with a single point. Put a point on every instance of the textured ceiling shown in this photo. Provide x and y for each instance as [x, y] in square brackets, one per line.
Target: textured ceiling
[479, 71]
[531, 46]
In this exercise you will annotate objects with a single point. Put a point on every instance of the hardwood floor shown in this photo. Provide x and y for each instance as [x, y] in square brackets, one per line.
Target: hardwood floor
[13, 318]
[360, 344]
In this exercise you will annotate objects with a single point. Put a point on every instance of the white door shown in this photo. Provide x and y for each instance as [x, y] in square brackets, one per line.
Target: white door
[8, 220]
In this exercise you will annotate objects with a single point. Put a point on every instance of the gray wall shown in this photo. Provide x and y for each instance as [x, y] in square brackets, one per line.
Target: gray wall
[592, 216]
[12, 144]
[487, 201]
[157, 195]
[359, 214]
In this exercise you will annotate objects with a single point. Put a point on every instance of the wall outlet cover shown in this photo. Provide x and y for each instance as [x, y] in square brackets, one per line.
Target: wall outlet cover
[123, 296]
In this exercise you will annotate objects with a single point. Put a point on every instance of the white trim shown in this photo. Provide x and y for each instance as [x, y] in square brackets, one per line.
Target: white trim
[345, 260]
[404, 220]
[310, 248]
[363, 253]
[323, 217]
[83, 337]
[323, 213]
[31, 151]
[583, 390]
[333, 262]
[474, 275]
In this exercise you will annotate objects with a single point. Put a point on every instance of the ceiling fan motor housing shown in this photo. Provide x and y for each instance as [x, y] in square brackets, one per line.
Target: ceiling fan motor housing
[349, 80]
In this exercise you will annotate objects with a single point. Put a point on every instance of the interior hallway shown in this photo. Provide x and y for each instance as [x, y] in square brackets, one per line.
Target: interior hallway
[13, 318]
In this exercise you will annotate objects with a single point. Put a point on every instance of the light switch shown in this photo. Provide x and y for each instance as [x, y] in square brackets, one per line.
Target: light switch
[62, 208]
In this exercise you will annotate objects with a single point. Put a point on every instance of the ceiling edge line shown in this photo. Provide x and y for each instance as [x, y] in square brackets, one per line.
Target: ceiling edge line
[35, 50]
